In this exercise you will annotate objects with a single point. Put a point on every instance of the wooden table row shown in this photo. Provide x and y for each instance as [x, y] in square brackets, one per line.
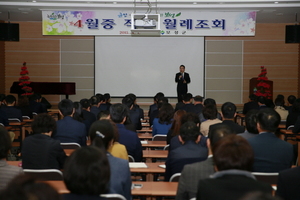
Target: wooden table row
[150, 189]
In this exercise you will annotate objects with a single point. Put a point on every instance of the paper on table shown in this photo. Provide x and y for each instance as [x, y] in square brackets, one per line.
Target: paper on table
[144, 141]
[137, 165]
[162, 166]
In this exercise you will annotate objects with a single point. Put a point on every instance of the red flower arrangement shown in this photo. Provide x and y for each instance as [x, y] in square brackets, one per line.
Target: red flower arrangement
[24, 81]
[263, 88]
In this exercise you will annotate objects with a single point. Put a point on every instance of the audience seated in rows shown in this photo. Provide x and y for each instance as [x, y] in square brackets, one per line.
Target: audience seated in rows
[68, 129]
[210, 113]
[251, 125]
[228, 110]
[233, 159]
[86, 174]
[252, 104]
[26, 187]
[163, 122]
[39, 150]
[189, 152]
[176, 124]
[118, 114]
[192, 173]
[7, 172]
[102, 135]
[10, 109]
[271, 154]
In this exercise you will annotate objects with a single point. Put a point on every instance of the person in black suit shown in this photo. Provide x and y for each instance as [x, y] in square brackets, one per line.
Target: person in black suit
[188, 103]
[252, 104]
[10, 109]
[198, 100]
[189, 152]
[40, 151]
[233, 159]
[182, 79]
[288, 184]
[228, 110]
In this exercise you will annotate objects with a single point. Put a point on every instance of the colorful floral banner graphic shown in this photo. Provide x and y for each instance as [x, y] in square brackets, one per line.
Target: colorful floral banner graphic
[177, 23]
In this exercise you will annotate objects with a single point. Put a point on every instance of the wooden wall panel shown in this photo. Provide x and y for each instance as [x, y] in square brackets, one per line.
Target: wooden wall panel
[34, 45]
[266, 59]
[269, 46]
[34, 70]
[273, 71]
[2, 67]
[33, 57]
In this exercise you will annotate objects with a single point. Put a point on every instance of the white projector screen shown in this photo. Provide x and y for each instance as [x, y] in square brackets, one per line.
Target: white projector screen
[147, 65]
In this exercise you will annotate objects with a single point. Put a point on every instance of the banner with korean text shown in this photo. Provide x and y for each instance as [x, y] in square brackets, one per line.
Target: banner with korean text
[176, 23]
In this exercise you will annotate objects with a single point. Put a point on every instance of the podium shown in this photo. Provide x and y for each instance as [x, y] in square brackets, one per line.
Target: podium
[253, 83]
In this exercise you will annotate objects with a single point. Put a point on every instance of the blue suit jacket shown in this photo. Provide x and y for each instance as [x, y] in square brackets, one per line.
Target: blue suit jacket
[70, 130]
[131, 141]
[159, 128]
[12, 112]
[188, 153]
[271, 154]
[120, 176]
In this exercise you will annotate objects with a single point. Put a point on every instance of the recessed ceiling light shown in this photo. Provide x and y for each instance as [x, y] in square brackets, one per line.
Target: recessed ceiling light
[33, 1]
[114, 2]
[195, 3]
[276, 2]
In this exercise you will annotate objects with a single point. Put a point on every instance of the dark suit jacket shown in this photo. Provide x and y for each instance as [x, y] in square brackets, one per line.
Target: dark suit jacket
[189, 108]
[95, 110]
[152, 108]
[289, 184]
[188, 153]
[235, 127]
[190, 176]
[89, 116]
[179, 106]
[198, 108]
[131, 141]
[175, 143]
[182, 87]
[12, 112]
[135, 117]
[37, 107]
[271, 154]
[250, 106]
[230, 187]
[40, 151]
[70, 130]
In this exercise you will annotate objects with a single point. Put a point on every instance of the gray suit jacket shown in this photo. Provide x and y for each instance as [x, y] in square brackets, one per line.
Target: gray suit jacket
[190, 176]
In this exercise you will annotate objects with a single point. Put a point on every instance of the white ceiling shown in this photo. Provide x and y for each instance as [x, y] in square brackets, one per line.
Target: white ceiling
[268, 11]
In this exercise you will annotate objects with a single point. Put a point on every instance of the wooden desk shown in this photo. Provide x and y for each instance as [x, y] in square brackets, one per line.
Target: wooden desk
[149, 154]
[7, 127]
[151, 189]
[153, 144]
[150, 171]
[145, 136]
[15, 163]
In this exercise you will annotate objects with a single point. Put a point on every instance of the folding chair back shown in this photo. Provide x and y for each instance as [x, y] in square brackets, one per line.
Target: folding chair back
[45, 174]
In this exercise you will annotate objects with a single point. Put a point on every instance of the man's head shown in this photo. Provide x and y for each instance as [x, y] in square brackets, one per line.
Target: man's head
[217, 132]
[5, 142]
[100, 97]
[106, 97]
[279, 102]
[66, 107]
[182, 68]
[187, 98]
[189, 131]
[209, 101]
[118, 112]
[190, 117]
[210, 112]
[43, 123]
[268, 120]
[233, 152]
[2, 97]
[10, 100]
[261, 100]
[94, 101]
[85, 103]
[158, 96]
[291, 99]
[128, 102]
[228, 110]
[36, 97]
[251, 121]
[132, 96]
[198, 99]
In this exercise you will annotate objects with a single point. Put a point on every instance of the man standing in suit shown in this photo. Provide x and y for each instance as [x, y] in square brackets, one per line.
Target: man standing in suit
[182, 79]
[192, 173]
[271, 154]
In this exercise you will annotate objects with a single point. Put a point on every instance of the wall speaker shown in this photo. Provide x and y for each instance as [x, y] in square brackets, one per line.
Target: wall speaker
[292, 34]
[9, 32]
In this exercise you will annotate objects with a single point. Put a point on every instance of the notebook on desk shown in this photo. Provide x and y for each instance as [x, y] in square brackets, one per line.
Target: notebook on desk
[137, 165]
